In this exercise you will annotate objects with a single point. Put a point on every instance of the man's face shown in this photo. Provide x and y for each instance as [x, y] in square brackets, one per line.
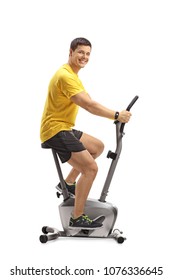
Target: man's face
[80, 57]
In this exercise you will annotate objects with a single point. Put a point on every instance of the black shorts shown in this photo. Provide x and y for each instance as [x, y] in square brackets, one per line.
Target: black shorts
[65, 142]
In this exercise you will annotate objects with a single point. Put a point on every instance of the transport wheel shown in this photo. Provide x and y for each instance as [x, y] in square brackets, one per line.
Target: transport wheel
[43, 238]
[44, 230]
[120, 239]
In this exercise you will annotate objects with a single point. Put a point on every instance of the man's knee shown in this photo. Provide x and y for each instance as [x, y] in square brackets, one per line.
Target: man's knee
[97, 149]
[84, 163]
[94, 146]
[100, 147]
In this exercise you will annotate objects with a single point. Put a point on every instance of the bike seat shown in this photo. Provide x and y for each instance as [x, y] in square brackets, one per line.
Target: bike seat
[45, 146]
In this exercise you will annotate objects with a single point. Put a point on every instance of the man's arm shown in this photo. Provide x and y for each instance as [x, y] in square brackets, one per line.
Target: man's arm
[84, 100]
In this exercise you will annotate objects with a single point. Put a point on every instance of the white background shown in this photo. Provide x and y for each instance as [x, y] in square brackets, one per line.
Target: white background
[132, 55]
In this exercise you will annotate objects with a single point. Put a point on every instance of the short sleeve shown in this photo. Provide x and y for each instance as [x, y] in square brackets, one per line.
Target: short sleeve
[71, 85]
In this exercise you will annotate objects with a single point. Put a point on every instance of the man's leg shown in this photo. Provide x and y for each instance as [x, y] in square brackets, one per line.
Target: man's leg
[84, 163]
[94, 146]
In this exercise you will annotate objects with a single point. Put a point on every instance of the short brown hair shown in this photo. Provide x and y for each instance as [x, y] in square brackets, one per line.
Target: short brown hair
[79, 42]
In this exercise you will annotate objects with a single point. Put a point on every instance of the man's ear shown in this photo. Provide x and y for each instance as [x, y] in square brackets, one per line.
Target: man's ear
[70, 52]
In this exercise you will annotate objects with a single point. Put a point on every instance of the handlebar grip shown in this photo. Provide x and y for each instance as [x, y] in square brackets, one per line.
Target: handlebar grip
[132, 103]
[128, 109]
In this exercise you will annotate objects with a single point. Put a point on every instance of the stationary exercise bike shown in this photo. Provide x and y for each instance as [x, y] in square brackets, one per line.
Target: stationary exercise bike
[98, 209]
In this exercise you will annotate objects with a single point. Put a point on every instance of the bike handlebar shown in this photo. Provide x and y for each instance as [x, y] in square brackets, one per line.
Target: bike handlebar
[128, 109]
[132, 103]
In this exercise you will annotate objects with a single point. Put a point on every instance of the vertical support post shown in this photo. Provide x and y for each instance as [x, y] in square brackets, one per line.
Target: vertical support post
[113, 165]
[61, 178]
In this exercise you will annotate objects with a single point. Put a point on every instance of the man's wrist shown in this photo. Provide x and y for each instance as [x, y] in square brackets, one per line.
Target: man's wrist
[116, 115]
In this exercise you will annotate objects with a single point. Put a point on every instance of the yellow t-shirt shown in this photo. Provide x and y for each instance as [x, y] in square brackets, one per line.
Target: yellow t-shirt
[59, 111]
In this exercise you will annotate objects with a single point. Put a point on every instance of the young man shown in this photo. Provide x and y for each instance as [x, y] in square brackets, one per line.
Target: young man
[66, 94]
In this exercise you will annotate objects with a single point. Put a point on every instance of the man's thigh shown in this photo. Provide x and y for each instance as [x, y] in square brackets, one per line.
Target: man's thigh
[93, 145]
